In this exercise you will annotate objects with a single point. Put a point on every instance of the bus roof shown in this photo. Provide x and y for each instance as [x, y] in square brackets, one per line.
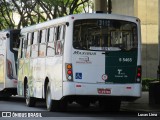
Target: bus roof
[73, 17]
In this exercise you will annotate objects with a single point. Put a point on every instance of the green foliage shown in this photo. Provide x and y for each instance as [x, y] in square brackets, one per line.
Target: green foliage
[6, 20]
[145, 83]
[36, 11]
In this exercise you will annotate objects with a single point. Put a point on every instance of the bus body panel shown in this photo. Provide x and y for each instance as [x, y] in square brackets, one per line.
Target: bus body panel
[21, 77]
[88, 66]
[54, 73]
[41, 69]
[96, 67]
[40, 77]
[31, 75]
[3, 40]
[121, 90]
[2, 70]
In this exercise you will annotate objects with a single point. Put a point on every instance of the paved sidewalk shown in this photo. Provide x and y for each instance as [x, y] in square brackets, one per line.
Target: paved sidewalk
[141, 104]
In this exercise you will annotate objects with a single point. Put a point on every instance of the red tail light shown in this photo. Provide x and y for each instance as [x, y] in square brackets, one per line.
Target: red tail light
[139, 74]
[69, 73]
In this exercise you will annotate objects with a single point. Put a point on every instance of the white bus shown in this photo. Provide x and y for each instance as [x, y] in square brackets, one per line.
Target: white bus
[8, 58]
[83, 58]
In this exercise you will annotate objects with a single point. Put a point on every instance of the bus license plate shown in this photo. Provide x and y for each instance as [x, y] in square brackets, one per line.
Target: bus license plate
[104, 91]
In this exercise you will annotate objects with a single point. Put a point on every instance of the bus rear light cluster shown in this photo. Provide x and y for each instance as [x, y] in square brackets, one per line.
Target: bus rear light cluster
[139, 73]
[69, 73]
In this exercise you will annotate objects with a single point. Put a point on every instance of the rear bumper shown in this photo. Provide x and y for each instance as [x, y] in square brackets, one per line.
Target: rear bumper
[115, 90]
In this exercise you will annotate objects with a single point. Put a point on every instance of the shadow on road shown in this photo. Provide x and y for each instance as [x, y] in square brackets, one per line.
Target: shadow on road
[74, 110]
[12, 99]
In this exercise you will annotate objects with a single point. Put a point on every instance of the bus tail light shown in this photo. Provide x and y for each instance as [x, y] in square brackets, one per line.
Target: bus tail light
[9, 69]
[139, 74]
[69, 72]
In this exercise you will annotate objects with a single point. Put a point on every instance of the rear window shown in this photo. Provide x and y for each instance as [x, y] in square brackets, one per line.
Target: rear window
[98, 34]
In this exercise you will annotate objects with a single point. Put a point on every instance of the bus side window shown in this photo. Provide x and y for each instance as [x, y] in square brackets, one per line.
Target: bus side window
[32, 38]
[28, 51]
[29, 38]
[51, 34]
[24, 47]
[47, 35]
[20, 51]
[43, 36]
[35, 37]
[16, 42]
[40, 36]
[55, 34]
[51, 41]
[42, 43]
[64, 32]
[34, 48]
[60, 39]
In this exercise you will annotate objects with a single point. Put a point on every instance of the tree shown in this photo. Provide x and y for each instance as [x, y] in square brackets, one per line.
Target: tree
[58, 8]
[36, 11]
[6, 15]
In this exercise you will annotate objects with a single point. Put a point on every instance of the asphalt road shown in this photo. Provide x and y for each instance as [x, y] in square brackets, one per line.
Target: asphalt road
[15, 106]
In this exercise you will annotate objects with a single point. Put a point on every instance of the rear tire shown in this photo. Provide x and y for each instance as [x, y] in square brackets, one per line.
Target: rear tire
[52, 105]
[30, 101]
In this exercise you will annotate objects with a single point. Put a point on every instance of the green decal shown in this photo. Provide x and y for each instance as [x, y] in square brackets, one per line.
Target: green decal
[121, 66]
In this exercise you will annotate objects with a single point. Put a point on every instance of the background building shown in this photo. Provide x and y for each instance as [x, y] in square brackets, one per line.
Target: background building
[147, 11]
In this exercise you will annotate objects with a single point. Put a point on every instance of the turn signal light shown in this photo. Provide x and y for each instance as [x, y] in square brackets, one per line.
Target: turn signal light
[69, 66]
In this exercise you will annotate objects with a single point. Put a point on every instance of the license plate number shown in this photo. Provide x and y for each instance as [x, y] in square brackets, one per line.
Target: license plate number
[104, 91]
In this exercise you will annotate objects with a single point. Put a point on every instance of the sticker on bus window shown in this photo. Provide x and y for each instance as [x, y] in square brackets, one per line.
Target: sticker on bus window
[78, 75]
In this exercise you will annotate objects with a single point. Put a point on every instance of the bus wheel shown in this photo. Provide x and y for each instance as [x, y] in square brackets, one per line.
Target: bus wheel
[110, 105]
[52, 105]
[30, 101]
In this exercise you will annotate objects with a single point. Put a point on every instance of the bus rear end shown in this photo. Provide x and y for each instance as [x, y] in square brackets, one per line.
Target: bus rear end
[106, 63]
[8, 58]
